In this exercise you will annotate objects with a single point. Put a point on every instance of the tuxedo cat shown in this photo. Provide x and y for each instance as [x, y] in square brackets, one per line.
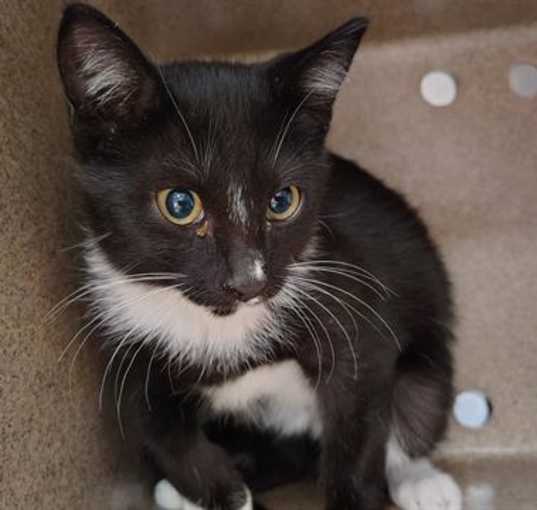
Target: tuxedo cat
[271, 310]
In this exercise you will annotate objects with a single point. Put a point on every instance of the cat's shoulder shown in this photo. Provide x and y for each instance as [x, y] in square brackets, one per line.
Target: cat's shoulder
[350, 181]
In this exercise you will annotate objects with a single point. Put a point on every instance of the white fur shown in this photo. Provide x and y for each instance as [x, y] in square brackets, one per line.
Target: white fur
[105, 76]
[415, 484]
[183, 329]
[277, 397]
[480, 497]
[237, 204]
[258, 272]
[326, 79]
[168, 498]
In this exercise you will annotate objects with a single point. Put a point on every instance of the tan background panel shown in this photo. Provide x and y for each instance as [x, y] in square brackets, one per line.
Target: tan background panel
[469, 168]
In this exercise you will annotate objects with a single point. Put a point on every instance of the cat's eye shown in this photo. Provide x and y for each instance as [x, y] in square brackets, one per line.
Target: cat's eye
[284, 204]
[180, 206]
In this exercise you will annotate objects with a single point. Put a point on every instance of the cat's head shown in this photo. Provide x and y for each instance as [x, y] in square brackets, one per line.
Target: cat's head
[202, 181]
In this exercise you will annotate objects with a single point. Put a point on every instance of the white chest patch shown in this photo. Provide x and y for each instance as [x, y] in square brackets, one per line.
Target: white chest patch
[131, 310]
[276, 397]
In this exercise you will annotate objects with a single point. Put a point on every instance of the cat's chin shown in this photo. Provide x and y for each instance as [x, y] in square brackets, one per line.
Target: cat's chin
[226, 310]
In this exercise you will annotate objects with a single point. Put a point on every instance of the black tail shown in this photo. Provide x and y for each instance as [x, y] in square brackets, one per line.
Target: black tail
[423, 393]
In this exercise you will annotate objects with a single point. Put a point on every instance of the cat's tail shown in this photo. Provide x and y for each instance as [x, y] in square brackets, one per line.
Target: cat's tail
[421, 404]
[423, 393]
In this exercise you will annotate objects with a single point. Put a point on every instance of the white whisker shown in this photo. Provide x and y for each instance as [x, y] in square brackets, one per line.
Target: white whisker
[209, 146]
[110, 312]
[368, 307]
[346, 273]
[109, 365]
[81, 330]
[118, 376]
[337, 321]
[148, 378]
[87, 243]
[288, 125]
[90, 287]
[122, 387]
[290, 302]
[77, 353]
[179, 113]
[346, 307]
[348, 264]
[170, 378]
[326, 334]
[362, 271]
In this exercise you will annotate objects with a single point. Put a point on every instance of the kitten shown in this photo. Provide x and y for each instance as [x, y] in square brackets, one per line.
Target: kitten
[272, 310]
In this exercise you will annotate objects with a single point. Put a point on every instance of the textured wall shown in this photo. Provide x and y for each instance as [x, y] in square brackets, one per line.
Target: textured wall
[51, 451]
[470, 168]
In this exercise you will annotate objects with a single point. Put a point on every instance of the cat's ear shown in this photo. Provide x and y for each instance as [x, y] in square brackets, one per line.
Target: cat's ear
[315, 74]
[105, 76]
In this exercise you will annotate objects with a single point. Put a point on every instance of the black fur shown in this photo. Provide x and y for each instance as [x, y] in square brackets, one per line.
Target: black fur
[134, 143]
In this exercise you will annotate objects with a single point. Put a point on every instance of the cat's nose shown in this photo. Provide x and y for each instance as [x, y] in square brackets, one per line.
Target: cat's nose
[245, 289]
[248, 278]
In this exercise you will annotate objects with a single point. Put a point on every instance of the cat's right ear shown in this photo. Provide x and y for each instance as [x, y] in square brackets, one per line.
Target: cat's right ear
[105, 75]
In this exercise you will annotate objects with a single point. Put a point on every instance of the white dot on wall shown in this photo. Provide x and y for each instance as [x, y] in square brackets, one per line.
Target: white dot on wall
[523, 80]
[472, 409]
[480, 496]
[438, 88]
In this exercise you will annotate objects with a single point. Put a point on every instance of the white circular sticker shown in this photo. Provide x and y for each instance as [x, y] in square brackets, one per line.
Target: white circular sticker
[472, 409]
[523, 80]
[438, 88]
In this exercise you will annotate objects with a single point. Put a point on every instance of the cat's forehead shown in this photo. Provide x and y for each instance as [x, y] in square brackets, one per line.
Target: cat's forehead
[232, 120]
[221, 91]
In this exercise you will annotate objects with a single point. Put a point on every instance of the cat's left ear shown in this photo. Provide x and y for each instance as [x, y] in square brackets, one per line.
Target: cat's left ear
[314, 75]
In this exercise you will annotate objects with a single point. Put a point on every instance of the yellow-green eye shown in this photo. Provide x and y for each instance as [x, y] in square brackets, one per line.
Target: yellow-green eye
[284, 204]
[180, 206]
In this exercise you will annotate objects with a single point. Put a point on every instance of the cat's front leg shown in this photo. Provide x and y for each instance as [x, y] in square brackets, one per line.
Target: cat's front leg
[196, 474]
[353, 452]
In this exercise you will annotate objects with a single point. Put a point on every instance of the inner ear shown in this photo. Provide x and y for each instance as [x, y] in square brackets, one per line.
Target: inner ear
[316, 73]
[103, 71]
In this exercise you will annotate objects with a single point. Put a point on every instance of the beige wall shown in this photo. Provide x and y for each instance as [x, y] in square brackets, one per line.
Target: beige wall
[470, 168]
[51, 450]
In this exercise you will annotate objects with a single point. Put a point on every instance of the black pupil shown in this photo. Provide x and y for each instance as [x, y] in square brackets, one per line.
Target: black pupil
[281, 201]
[180, 203]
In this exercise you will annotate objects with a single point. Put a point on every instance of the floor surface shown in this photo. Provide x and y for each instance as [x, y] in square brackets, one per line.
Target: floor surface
[487, 485]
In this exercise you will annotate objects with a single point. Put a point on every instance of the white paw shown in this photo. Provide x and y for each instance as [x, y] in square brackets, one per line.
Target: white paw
[249, 504]
[433, 491]
[168, 498]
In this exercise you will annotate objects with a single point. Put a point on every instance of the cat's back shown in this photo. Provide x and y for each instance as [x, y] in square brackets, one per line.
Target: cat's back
[375, 227]
[357, 198]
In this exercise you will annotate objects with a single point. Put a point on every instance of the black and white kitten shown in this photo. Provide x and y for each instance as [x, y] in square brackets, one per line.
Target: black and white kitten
[272, 310]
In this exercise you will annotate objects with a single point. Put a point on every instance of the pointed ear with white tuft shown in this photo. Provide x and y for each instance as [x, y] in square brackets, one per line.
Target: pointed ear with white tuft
[105, 76]
[315, 74]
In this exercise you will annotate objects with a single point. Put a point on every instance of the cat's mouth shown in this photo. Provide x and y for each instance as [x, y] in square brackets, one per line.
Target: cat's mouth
[224, 310]
[229, 309]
